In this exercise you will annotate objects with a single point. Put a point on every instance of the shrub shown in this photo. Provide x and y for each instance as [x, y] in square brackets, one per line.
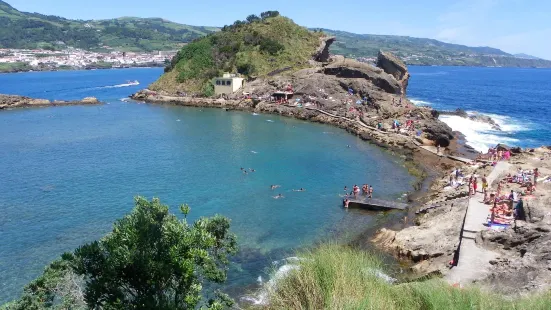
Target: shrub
[270, 46]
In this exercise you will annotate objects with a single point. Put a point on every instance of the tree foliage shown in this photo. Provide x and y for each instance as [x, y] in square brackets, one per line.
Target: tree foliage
[151, 260]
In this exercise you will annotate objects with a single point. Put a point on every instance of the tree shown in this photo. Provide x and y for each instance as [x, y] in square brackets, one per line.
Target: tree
[151, 260]
[253, 18]
[269, 14]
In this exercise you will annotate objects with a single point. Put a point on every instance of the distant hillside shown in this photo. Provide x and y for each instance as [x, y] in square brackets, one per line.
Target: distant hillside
[419, 51]
[253, 48]
[526, 56]
[33, 30]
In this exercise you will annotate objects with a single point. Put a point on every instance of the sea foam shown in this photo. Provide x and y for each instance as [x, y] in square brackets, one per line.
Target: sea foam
[482, 136]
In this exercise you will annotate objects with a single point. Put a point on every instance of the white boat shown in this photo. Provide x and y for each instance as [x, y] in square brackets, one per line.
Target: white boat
[135, 82]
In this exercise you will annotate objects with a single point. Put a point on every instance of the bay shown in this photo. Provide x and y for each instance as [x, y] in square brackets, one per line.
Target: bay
[69, 172]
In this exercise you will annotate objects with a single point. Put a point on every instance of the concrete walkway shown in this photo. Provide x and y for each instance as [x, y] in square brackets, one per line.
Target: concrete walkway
[473, 260]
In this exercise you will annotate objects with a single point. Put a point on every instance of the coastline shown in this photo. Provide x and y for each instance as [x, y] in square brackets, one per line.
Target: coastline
[426, 237]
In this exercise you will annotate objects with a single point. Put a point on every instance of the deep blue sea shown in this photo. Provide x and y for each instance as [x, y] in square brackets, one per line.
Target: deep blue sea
[67, 173]
[519, 100]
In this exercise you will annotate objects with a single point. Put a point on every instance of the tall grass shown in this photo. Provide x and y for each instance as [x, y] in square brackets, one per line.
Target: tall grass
[337, 277]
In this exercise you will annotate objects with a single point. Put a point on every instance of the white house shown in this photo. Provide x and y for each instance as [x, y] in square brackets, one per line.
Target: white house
[227, 84]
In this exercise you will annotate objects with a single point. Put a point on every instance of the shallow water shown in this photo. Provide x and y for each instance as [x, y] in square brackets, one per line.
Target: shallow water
[69, 172]
[516, 98]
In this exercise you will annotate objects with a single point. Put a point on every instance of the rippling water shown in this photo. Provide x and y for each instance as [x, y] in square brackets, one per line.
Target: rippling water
[518, 99]
[69, 172]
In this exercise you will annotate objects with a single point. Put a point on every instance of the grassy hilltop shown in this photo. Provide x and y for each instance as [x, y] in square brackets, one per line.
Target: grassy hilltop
[255, 47]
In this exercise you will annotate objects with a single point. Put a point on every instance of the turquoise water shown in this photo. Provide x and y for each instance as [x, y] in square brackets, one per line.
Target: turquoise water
[69, 172]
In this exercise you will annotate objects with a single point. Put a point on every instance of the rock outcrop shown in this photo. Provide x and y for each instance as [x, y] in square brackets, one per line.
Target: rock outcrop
[13, 101]
[352, 69]
[322, 53]
[395, 67]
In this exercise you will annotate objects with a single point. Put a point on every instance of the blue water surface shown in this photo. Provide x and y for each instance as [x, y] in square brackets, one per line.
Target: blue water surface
[68, 172]
[518, 99]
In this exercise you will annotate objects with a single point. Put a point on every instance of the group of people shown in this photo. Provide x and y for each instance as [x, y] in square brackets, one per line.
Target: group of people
[366, 190]
[495, 154]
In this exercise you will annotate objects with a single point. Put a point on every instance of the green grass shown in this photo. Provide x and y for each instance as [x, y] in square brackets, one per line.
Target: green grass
[251, 49]
[337, 277]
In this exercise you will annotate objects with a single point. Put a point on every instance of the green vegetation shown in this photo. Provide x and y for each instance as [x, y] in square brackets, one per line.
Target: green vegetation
[33, 30]
[151, 260]
[336, 277]
[420, 51]
[6, 67]
[252, 48]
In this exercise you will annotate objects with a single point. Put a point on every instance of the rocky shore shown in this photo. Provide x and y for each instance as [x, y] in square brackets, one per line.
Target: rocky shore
[522, 252]
[13, 101]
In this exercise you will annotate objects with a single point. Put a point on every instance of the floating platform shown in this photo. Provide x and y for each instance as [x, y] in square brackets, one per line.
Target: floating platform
[376, 204]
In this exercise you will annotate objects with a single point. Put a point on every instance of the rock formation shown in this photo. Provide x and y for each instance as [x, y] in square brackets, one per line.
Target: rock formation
[395, 67]
[13, 101]
[322, 53]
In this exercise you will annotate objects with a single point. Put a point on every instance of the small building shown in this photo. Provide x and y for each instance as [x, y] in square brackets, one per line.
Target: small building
[227, 84]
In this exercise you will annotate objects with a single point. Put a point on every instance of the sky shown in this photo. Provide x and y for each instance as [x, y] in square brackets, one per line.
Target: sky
[515, 26]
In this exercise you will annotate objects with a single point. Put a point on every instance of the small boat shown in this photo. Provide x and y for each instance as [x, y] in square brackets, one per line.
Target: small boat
[135, 82]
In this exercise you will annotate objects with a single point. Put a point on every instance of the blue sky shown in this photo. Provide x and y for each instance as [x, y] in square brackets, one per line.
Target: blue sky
[512, 25]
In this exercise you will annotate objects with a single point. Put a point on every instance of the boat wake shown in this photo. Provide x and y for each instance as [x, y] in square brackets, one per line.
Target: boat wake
[127, 84]
[480, 135]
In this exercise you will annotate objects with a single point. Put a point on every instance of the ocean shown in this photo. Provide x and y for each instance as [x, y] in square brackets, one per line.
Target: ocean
[517, 99]
[69, 172]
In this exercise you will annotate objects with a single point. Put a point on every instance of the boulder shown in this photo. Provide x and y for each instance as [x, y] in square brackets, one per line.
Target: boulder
[437, 131]
[395, 67]
[90, 100]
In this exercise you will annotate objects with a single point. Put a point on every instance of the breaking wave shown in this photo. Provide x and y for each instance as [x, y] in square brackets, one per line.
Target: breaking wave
[419, 102]
[480, 135]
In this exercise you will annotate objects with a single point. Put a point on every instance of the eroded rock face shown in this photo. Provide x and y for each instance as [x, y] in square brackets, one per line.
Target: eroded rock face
[352, 69]
[322, 53]
[395, 67]
[438, 131]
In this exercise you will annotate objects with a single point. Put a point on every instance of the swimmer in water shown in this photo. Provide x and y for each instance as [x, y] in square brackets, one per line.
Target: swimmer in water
[252, 170]
[345, 189]
[348, 146]
[278, 196]
[274, 186]
[299, 190]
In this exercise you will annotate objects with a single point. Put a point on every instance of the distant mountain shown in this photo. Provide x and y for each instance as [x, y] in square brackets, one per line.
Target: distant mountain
[33, 30]
[526, 56]
[420, 51]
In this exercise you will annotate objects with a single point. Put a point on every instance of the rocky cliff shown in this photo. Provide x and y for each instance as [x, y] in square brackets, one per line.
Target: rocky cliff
[13, 101]
[395, 67]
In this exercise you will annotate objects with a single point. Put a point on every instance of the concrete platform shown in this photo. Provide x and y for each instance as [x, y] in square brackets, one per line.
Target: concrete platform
[376, 204]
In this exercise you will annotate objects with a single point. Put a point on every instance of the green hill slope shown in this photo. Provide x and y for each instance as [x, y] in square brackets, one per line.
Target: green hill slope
[420, 51]
[253, 48]
[33, 30]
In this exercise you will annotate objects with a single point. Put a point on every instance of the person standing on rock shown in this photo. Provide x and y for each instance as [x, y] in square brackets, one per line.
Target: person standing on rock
[475, 185]
[536, 176]
[370, 192]
[519, 211]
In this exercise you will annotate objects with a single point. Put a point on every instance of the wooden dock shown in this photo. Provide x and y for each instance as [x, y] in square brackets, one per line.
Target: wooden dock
[376, 204]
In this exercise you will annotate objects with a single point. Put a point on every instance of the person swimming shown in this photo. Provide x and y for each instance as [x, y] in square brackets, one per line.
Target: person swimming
[299, 190]
[345, 202]
[278, 196]
[274, 186]
[252, 170]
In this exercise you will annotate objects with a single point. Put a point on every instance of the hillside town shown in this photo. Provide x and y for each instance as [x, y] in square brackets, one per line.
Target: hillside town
[40, 59]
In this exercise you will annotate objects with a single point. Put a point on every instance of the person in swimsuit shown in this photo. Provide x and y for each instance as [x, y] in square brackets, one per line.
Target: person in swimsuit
[345, 202]
[484, 184]
[475, 185]
[278, 196]
[370, 192]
